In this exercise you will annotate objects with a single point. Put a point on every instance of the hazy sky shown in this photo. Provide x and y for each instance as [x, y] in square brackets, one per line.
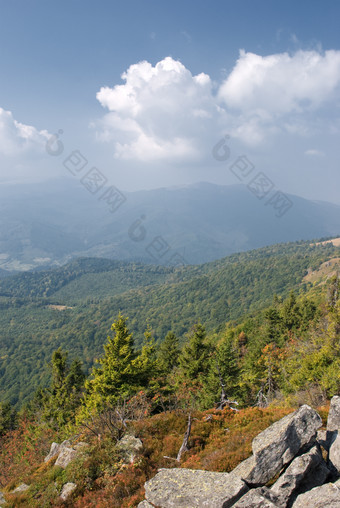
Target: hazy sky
[145, 89]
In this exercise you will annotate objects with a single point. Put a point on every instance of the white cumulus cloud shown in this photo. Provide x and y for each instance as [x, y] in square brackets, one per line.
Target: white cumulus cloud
[16, 137]
[281, 83]
[164, 112]
[160, 112]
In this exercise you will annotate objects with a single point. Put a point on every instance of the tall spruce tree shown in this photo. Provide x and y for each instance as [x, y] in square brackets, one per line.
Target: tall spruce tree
[291, 312]
[168, 353]
[116, 378]
[222, 378]
[61, 399]
[194, 358]
[145, 366]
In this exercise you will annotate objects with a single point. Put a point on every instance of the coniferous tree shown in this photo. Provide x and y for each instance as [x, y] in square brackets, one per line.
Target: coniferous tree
[145, 365]
[194, 358]
[274, 325]
[58, 366]
[221, 382]
[291, 312]
[8, 417]
[116, 378]
[61, 399]
[168, 353]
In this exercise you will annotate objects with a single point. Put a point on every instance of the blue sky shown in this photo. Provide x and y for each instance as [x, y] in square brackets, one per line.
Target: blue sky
[267, 73]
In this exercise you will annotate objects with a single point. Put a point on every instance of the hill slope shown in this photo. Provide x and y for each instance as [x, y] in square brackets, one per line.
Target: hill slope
[166, 298]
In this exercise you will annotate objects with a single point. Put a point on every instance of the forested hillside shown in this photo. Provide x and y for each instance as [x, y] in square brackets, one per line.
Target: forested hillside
[217, 388]
[218, 352]
[74, 306]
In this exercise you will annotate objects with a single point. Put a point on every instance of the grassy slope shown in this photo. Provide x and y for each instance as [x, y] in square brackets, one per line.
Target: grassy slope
[216, 444]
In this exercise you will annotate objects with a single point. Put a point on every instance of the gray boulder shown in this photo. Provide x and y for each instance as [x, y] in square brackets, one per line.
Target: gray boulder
[321, 438]
[326, 496]
[333, 421]
[304, 473]
[67, 454]
[278, 444]
[67, 490]
[256, 498]
[188, 488]
[334, 452]
[145, 504]
[246, 469]
[56, 449]
[129, 446]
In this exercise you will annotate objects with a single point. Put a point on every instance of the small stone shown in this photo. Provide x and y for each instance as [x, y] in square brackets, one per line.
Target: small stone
[67, 490]
[144, 504]
[129, 446]
[21, 488]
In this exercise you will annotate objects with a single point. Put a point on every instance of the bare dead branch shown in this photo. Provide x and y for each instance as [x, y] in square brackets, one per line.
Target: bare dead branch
[224, 401]
[184, 447]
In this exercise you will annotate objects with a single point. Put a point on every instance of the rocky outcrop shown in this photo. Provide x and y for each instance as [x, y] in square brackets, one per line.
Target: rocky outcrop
[188, 488]
[277, 446]
[67, 490]
[64, 453]
[305, 472]
[291, 451]
[129, 446]
[68, 454]
[56, 449]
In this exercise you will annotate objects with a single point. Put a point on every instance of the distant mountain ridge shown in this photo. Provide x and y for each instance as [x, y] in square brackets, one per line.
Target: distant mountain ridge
[48, 225]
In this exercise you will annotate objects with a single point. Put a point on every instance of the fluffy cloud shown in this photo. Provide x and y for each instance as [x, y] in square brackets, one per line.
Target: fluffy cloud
[16, 137]
[160, 112]
[163, 112]
[280, 84]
